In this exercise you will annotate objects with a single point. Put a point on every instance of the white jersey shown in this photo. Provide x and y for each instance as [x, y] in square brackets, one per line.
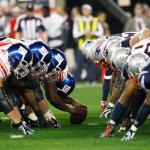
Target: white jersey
[14, 41]
[142, 46]
[5, 68]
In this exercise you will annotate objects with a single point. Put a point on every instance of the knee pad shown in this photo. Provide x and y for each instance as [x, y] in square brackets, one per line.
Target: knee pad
[38, 93]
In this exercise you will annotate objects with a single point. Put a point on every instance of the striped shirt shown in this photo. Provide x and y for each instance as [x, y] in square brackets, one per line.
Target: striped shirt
[30, 28]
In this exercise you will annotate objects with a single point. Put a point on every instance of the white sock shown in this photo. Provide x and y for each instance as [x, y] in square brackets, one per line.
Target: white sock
[32, 116]
[48, 115]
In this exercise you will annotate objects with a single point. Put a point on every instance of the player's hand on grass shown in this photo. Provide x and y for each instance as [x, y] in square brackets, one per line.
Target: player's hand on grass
[107, 112]
[73, 110]
[25, 129]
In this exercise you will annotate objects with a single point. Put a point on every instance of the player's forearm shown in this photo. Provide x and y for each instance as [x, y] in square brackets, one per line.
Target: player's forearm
[70, 100]
[140, 36]
[145, 34]
[135, 39]
[57, 102]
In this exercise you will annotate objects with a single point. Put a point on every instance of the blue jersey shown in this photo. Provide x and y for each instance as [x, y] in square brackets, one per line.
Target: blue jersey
[126, 36]
[144, 78]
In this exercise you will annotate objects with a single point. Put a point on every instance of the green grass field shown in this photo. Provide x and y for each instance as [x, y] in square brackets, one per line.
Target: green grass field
[69, 137]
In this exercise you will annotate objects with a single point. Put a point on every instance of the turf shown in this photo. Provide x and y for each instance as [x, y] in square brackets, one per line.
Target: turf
[80, 137]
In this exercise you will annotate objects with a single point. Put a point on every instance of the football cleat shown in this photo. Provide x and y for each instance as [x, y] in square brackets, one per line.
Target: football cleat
[130, 134]
[109, 132]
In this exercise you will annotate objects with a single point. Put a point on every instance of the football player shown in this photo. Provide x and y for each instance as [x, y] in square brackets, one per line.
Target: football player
[29, 91]
[107, 47]
[139, 67]
[58, 83]
[101, 51]
[14, 59]
[129, 91]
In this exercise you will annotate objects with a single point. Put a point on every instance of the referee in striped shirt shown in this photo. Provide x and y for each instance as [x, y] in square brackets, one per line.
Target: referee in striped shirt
[30, 26]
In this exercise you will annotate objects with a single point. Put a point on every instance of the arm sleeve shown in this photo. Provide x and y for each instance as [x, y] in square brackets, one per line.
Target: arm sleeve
[76, 32]
[100, 30]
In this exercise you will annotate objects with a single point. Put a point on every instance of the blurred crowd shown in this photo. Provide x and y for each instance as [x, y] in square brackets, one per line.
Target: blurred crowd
[65, 31]
[140, 18]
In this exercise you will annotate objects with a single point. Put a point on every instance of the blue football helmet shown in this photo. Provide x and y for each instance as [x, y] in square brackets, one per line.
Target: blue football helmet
[66, 86]
[57, 66]
[41, 58]
[20, 59]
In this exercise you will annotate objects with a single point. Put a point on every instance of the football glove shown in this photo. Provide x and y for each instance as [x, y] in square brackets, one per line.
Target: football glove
[128, 136]
[107, 112]
[25, 129]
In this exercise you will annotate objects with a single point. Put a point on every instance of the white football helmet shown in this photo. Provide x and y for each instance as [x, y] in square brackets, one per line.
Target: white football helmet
[136, 63]
[86, 48]
[110, 46]
[120, 58]
[97, 48]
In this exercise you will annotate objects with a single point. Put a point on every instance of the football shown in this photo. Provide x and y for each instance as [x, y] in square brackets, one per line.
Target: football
[78, 118]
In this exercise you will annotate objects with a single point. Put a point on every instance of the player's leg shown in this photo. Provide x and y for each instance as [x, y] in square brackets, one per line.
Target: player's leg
[138, 100]
[117, 86]
[142, 114]
[121, 106]
[11, 112]
[30, 96]
[124, 101]
[131, 114]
